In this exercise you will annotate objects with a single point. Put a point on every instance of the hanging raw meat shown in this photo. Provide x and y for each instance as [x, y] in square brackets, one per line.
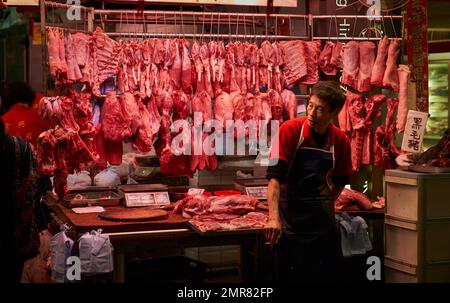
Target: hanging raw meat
[390, 78]
[223, 109]
[106, 58]
[130, 110]
[379, 66]
[350, 62]
[336, 56]
[73, 70]
[46, 159]
[402, 113]
[56, 53]
[276, 105]
[181, 105]
[385, 149]
[312, 62]
[366, 61]
[325, 59]
[186, 66]
[373, 110]
[289, 103]
[115, 126]
[295, 67]
[205, 57]
[344, 118]
[175, 71]
[355, 110]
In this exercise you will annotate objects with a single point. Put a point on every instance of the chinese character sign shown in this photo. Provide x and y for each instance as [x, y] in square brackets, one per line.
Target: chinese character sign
[414, 131]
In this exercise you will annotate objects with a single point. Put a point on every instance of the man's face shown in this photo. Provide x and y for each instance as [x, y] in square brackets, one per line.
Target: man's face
[319, 115]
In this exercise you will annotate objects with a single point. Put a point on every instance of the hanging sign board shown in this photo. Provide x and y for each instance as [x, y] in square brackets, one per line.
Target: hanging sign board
[155, 199]
[21, 2]
[414, 131]
[258, 192]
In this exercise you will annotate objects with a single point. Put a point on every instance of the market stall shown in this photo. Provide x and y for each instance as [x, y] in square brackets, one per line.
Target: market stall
[126, 76]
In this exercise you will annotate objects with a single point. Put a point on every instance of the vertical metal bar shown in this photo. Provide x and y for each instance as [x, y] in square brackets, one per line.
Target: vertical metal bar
[90, 21]
[43, 47]
[310, 27]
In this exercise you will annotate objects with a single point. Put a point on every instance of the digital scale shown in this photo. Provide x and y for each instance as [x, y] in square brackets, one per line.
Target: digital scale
[149, 195]
[254, 187]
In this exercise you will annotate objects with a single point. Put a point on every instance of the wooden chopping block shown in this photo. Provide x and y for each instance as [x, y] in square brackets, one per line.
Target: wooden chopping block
[134, 214]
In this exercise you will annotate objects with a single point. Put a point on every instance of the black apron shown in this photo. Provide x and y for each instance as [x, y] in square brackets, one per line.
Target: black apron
[309, 248]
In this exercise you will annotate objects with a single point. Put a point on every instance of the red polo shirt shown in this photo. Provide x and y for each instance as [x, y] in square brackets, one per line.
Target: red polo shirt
[289, 135]
[25, 123]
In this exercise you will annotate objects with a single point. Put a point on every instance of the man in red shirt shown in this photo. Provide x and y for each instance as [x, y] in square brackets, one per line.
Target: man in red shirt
[21, 119]
[313, 166]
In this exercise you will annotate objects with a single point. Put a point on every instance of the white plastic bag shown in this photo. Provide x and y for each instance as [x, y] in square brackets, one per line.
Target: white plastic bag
[108, 177]
[60, 249]
[96, 253]
[81, 179]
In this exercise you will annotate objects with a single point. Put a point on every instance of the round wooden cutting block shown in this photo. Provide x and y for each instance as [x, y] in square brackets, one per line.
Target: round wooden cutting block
[134, 214]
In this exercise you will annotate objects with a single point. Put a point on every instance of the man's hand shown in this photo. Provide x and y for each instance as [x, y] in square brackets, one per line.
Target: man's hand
[272, 231]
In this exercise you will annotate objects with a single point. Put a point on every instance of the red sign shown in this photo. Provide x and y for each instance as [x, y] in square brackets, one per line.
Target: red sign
[418, 49]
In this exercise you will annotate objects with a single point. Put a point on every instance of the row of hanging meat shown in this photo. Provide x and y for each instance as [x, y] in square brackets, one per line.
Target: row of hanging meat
[147, 67]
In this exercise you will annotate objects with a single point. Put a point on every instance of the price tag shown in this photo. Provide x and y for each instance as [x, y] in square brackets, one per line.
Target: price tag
[414, 131]
[155, 199]
[259, 192]
[195, 191]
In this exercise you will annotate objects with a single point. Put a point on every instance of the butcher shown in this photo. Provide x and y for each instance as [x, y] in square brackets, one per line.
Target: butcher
[312, 167]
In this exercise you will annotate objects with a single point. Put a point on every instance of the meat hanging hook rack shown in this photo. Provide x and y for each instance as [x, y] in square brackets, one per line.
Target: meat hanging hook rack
[358, 17]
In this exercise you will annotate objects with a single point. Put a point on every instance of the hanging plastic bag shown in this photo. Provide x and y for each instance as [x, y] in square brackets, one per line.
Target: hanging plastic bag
[61, 249]
[96, 253]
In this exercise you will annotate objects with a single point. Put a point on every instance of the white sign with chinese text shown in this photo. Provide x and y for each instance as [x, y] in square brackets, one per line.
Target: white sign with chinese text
[414, 131]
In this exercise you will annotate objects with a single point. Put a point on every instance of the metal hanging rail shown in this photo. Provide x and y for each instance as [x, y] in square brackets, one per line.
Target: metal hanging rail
[203, 14]
[66, 29]
[223, 36]
[353, 16]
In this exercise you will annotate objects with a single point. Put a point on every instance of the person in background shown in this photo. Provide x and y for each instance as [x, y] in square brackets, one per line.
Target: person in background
[313, 166]
[19, 240]
[21, 118]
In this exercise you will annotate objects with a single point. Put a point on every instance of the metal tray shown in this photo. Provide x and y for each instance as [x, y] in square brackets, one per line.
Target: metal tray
[97, 198]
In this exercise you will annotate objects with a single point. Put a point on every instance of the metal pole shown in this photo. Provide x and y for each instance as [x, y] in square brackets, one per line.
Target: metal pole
[110, 11]
[174, 35]
[353, 16]
[44, 47]
[351, 38]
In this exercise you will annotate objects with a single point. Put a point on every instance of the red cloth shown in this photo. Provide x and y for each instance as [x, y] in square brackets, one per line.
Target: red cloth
[25, 123]
[288, 137]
